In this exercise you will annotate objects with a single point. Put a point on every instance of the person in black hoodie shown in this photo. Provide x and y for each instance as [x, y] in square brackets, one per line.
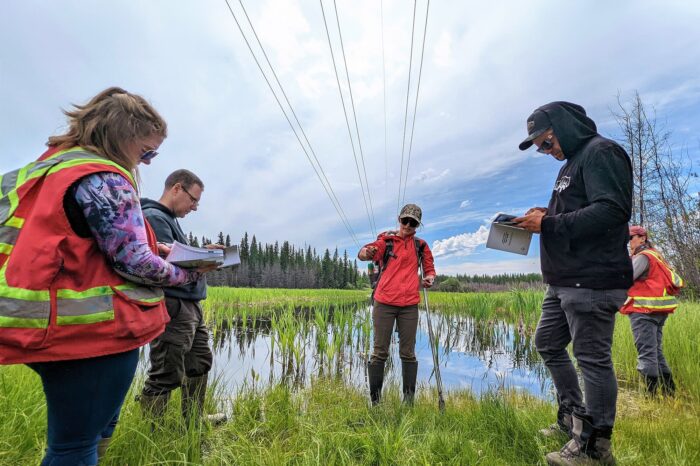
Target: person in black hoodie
[583, 254]
[181, 356]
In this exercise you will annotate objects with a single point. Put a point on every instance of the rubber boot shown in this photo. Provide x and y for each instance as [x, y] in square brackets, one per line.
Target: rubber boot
[102, 446]
[375, 374]
[154, 406]
[668, 386]
[194, 391]
[409, 372]
[586, 445]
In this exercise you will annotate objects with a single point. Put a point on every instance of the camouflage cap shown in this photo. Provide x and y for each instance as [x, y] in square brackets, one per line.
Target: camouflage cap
[411, 211]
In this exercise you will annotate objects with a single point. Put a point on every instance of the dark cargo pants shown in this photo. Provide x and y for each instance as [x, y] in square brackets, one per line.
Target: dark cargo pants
[648, 335]
[406, 318]
[182, 350]
[585, 317]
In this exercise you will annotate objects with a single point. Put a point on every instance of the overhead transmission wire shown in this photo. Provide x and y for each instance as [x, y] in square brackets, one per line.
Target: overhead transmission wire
[386, 156]
[319, 171]
[354, 115]
[415, 106]
[366, 197]
[405, 119]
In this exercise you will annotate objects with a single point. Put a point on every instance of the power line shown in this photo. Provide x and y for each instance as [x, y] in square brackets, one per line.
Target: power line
[405, 119]
[321, 176]
[347, 122]
[386, 156]
[415, 106]
[354, 115]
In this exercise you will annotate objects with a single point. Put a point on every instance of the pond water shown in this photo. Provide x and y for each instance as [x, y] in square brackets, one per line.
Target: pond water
[295, 345]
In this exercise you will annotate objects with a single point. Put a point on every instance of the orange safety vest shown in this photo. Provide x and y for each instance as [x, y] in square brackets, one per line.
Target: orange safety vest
[60, 298]
[656, 293]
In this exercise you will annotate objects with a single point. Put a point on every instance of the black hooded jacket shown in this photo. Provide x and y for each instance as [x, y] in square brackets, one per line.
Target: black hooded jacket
[167, 230]
[585, 233]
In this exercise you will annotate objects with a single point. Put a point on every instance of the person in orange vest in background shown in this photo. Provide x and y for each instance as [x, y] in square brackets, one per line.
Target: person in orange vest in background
[80, 274]
[651, 299]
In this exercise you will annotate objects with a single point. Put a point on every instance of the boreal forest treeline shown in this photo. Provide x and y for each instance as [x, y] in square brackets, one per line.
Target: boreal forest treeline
[481, 283]
[265, 265]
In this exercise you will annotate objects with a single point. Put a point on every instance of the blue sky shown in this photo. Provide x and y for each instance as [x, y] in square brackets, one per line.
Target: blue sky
[485, 69]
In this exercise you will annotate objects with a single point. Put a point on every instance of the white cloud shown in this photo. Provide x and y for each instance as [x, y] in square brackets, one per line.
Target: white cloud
[460, 245]
[431, 175]
[443, 50]
[464, 204]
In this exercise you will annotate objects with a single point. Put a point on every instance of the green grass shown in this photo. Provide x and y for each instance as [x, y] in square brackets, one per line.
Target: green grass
[330, 423]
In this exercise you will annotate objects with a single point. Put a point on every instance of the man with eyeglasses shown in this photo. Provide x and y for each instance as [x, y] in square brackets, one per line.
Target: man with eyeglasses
[181, 356]
[584, 260]
[396, 298]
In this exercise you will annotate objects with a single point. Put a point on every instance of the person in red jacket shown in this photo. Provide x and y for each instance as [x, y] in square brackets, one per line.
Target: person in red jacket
[80, 274]
[396, 298]
[650, 301]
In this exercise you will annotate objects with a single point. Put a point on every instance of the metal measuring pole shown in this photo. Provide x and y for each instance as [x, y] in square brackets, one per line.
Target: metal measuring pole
[433, 344]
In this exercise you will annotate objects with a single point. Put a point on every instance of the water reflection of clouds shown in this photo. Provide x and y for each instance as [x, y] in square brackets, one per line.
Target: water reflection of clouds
[480, 356]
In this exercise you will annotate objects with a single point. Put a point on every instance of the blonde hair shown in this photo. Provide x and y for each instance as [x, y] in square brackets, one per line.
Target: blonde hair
[108, 123]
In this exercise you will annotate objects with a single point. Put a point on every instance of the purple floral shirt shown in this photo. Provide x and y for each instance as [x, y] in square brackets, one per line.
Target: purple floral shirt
[113, 212]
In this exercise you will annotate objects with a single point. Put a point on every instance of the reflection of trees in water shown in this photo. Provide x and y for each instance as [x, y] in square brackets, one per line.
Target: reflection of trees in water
[336, 341]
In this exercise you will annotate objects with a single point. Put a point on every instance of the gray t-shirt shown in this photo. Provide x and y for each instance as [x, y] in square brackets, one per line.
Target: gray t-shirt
[640, 264]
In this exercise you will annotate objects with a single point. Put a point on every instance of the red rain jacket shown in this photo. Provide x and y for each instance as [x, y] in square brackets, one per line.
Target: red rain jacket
[399, 283]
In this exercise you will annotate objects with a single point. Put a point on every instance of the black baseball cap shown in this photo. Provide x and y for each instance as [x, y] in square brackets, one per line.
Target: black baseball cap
[537, 123]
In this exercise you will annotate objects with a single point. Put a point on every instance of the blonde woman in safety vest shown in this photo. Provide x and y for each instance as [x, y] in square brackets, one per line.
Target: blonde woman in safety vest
[651, 299]
[80, 273]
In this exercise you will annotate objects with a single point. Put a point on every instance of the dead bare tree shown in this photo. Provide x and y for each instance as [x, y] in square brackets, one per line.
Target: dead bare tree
[663, 179]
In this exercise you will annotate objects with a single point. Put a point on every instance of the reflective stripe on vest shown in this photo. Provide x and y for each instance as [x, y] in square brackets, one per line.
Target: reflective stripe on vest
[675, 278]
[23, 313]
[24, 308]
[84, 307]
[142, 294]
[72, 307]
[11, 182]
[662, 302]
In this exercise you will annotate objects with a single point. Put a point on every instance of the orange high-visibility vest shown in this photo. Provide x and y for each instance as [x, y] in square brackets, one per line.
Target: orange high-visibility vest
[60, 299]
[656, 293]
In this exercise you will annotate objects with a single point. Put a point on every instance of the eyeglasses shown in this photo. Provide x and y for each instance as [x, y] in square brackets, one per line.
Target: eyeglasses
[194, 200]
[409, 222]
[148, 154]
[546, 145]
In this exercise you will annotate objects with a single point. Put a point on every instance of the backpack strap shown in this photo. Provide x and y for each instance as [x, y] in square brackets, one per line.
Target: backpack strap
[388, 254]
[420, 246]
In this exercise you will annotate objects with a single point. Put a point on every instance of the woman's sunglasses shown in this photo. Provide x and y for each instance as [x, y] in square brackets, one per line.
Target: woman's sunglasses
[409, 222]
[148, 155]
[546, 145]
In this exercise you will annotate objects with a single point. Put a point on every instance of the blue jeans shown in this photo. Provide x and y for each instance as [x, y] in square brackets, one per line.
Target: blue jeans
[585, 317]
[83, 400]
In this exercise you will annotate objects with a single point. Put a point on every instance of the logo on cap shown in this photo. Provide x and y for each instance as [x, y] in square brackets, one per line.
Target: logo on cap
[530, 126]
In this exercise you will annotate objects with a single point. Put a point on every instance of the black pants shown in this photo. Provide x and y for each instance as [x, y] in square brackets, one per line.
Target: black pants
[182, 350]
[406, 318]
[587, 318]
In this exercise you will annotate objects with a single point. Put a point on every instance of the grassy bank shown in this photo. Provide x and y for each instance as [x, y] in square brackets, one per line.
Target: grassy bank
[330, 423]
